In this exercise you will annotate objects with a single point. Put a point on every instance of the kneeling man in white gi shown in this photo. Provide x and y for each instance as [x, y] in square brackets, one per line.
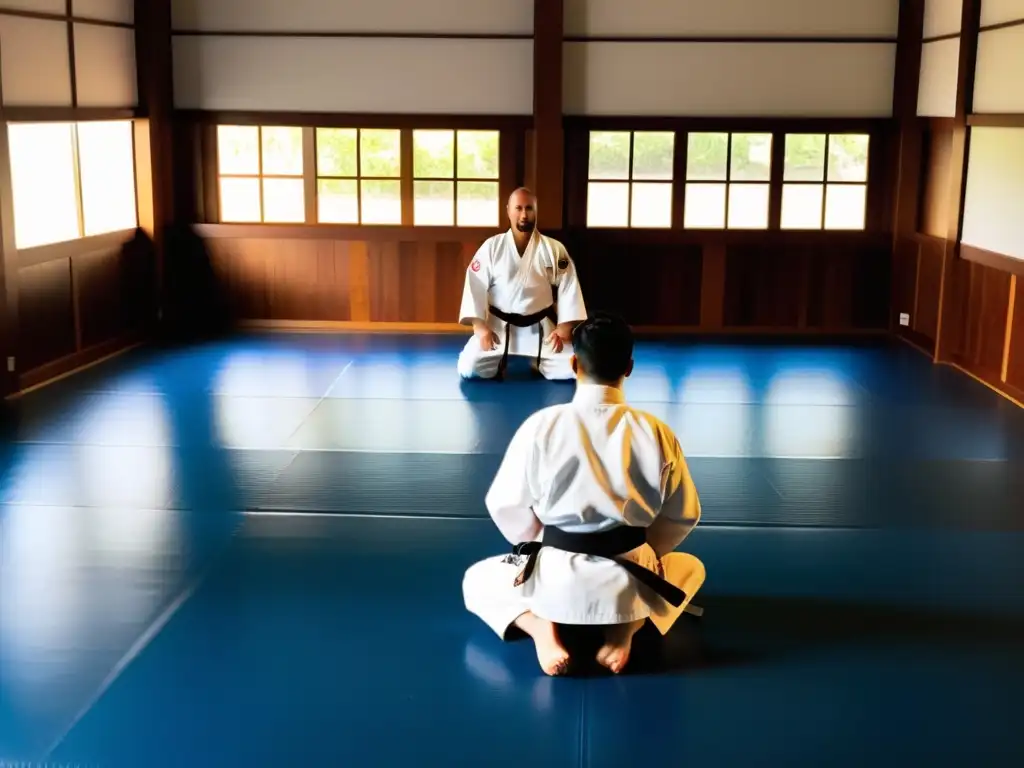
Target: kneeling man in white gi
[507, 298]
[595, 496]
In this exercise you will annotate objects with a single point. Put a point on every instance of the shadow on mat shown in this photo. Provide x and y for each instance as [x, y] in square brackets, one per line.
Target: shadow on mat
[740, 631]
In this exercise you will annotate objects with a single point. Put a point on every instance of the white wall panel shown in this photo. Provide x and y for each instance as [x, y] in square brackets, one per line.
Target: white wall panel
[354, 75]
[999, 72]
[428, 16]
[1001, 11]
[790, 18]
[942, 17]
[105, 66]
[39, 6]
[108, 10]
[720, 79]
[994, 197]
[940, 65]
[35, 62]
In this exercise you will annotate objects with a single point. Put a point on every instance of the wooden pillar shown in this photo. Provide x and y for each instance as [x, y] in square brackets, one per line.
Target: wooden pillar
[9, 332]
[906, 195]
[546, 145]
[154, 131]
[952, 289]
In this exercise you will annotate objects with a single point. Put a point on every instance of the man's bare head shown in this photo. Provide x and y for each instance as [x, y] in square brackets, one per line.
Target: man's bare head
[522, 210]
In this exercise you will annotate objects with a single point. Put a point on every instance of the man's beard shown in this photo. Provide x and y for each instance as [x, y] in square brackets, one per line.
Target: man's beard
[524, 226]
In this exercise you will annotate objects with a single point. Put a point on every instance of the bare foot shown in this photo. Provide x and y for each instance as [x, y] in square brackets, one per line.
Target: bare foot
[551, 654]
[618, 642]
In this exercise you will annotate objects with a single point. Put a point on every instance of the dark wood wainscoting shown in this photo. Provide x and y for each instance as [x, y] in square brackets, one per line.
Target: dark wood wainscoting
[666, 281]
[80, 301]
[970, 300]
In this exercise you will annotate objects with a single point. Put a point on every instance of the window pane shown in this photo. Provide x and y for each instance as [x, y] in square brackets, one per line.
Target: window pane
[477, 203]
[380, 152]
[751, 157]
[282, 151]
[705, 206]
[433, 154]
[706, 155]
[478, 154]
[433, 203]
[609, 155]
[43, 183]
[653, 155]
[381, 202]
[106, 159]
[848, 157]
[608, 204]
[336, 152]
[337, 201]
[748, 206]
[652, 205]
[284, 200]
[239, 199]
[845, 206]
[238, 149]
[801, 206]
[805, 157]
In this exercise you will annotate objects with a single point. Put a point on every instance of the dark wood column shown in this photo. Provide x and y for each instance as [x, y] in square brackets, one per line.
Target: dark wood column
[956, 273]
[154, 131]
[546, 148]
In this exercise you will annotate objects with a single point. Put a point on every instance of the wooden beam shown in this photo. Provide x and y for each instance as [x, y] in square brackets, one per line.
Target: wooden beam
[546, 161]
[952, 297]
[156, 130]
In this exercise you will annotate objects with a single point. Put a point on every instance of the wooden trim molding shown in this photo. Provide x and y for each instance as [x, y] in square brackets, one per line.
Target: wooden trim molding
[992, 120]
[74, 363]
[30, 257]
[366, 232]
[65, 114]
[732, 123]
[718, 39]
[69, 17]
[355, 120]
[992, 259]
[352, 35]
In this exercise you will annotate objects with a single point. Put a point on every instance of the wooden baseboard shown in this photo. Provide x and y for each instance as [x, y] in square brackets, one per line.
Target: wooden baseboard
[350, 326]
[54, 371]
[1010, 392]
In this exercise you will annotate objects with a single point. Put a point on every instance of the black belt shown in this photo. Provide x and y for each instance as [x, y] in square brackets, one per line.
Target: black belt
[522, 321]
[610, 544]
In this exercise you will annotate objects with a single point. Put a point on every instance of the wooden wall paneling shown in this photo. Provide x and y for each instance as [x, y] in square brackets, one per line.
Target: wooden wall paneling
[46, 313]
[100, 291]
[1013, 368]
[905, 261]
[712, 287]
[763, 287]
[934, 208]
[987, 303]
[925, 319]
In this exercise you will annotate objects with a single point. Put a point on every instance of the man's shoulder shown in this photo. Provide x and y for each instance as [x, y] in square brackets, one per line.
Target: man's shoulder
[659, 430]
[553, 243]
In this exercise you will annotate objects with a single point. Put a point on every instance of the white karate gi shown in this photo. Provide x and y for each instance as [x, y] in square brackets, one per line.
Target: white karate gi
[498, 276]
[585, 466]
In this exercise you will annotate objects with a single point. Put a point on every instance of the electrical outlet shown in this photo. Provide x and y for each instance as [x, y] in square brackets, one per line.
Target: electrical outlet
[904, 318]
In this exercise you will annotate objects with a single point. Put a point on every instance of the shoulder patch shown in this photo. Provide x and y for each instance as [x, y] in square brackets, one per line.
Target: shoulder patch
[563, 262]
[475, 266]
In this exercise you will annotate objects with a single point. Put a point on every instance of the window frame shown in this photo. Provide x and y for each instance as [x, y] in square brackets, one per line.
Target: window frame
[728, 181]
[629, 181]
[77, 181]
[314, 204]
[260, 176]
[824, 183]
[211, 209]
[455, 178]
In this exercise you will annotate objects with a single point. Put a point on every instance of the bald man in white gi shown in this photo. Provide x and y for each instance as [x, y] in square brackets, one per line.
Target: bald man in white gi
[507, 298]
[594, 496]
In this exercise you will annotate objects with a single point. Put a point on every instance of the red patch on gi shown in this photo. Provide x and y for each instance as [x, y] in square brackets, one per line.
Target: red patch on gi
[475, 266]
